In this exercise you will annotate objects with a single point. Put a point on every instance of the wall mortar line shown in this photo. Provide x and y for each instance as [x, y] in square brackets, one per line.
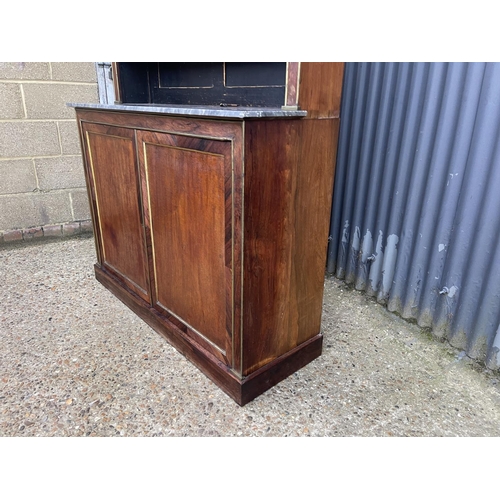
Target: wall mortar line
[8, 158]
[59, 137]
[50, 82]
[71, 206]
[35, 120]
[36, 174]
[49, 191]
[23, 99]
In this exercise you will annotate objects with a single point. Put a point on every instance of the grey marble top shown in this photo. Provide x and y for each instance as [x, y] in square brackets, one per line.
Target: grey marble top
[238, 112]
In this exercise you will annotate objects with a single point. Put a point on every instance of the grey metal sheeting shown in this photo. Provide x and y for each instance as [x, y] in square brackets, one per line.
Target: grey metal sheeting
[416, 208]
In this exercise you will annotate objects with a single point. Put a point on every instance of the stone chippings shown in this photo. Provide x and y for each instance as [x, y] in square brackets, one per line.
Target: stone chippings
[74, 361]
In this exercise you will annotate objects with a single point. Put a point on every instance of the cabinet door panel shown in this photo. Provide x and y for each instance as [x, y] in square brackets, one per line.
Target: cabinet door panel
[115, 191]
[189, 207]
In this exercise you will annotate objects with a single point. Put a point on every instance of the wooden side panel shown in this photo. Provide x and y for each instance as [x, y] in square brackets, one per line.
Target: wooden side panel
[321, 88]
[270, 161]
[115, 188]
[312, 211]
[189, 205]
[289, 169]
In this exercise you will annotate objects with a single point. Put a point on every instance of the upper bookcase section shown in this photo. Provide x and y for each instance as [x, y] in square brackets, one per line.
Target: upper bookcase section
[313, 87]
[207, 83]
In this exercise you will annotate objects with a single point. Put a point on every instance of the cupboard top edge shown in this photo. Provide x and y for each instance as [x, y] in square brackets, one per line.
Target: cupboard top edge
[236, 113]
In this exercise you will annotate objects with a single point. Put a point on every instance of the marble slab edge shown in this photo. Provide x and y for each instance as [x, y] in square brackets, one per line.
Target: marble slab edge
[197, 111]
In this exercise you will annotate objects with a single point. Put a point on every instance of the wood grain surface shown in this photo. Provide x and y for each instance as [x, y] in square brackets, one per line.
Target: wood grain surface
[289, 169]
[321, 88]
[188, 192]
[113, 167]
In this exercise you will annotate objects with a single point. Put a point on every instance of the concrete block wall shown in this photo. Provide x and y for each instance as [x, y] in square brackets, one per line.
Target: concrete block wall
[42, 184]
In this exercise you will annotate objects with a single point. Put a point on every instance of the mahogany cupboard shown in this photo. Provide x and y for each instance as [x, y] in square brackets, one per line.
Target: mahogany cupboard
[211, 214]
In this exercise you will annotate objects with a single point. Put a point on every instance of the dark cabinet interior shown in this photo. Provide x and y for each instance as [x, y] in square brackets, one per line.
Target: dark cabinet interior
[206, 83]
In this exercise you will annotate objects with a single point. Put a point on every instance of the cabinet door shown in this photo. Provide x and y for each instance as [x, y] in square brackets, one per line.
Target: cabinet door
[187, 188]
[115, 196]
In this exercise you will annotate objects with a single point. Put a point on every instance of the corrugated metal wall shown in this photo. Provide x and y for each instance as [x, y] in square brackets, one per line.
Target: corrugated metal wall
[416, 208]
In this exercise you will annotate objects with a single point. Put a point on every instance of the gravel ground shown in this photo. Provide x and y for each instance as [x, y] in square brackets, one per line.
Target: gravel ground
[74, 361]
